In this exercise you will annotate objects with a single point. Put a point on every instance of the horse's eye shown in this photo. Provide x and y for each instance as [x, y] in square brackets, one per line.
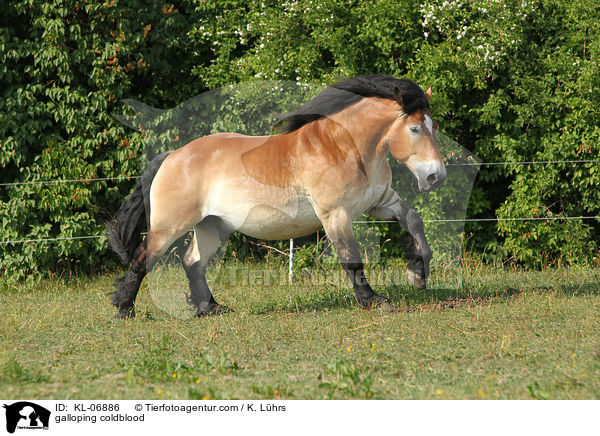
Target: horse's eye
[415, 129]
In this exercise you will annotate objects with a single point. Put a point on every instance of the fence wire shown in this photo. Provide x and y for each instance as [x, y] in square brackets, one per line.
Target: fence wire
[353, 222]
[98, 179]
[48, 182]
[467, 164]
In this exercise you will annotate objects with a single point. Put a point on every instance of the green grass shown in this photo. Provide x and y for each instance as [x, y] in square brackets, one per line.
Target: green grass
[504, 334]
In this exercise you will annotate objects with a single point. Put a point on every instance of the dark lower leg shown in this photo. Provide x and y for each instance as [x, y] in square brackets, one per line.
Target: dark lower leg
[418, 266]
[418, 251]
[124, 297]
[338, 226]
[365, 295]
[200, 296]
[128, 285]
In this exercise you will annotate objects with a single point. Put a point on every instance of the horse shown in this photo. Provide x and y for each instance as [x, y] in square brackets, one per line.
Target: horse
[326, 165]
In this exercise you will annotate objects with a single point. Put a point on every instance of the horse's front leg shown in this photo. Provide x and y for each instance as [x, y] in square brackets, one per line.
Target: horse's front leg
[418, 251]
[338, 227]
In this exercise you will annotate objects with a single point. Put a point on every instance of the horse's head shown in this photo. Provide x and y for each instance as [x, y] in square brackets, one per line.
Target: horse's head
[412, 140]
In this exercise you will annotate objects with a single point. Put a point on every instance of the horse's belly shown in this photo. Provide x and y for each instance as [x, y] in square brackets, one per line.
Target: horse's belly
[265, 221]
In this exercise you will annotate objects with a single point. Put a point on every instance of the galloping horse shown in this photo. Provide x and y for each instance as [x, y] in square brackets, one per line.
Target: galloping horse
[327, 166]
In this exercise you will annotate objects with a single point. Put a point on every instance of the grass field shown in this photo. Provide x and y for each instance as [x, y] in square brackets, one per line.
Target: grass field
[504, 334]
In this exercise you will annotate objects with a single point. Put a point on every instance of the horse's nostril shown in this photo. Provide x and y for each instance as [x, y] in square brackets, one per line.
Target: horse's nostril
[432, 179]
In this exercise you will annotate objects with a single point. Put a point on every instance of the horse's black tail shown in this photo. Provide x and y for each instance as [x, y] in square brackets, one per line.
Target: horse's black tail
[124, 229]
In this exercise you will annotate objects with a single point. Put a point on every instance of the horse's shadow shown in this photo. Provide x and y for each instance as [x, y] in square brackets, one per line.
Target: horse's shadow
[409, 299]
[403, 298]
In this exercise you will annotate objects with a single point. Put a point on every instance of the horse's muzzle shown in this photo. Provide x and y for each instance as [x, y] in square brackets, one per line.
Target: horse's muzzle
[433, 180]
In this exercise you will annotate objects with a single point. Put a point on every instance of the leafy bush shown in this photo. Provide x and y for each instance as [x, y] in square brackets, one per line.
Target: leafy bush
[517, 81]
[64, 66]
[513, 81]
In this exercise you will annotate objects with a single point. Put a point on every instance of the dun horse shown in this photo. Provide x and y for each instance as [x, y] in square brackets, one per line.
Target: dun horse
[327, 167]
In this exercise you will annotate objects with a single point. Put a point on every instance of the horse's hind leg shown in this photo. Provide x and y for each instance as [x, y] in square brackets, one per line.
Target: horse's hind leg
[208, 237]
[144, 259]
[128, 284]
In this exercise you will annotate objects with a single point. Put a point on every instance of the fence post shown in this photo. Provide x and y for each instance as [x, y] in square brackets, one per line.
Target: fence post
[291, 266]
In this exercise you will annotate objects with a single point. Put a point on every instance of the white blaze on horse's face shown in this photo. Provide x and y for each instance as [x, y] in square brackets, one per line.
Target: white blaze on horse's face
[413, 142]
[429, 123]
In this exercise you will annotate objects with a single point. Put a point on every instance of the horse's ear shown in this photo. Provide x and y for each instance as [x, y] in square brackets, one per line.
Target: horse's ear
[428, 94]
[398, 95]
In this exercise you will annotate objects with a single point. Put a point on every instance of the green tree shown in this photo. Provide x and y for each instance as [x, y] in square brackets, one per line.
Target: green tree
[513, 81]
[64, 67]
[518, 81]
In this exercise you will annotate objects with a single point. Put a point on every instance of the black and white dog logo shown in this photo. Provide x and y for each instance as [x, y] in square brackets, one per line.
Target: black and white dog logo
[26, 415]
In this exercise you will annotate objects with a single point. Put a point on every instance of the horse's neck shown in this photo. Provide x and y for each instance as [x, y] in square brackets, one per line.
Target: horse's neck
[365, 126]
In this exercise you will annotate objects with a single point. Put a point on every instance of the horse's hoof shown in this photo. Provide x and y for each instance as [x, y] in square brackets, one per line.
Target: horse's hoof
[416, 279]
[126, 314]
[383, 304]
[212, 309]
[378, 302]
[387, 307]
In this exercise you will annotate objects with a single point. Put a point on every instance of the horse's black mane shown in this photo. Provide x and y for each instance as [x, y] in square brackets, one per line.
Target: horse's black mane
[346, 92]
